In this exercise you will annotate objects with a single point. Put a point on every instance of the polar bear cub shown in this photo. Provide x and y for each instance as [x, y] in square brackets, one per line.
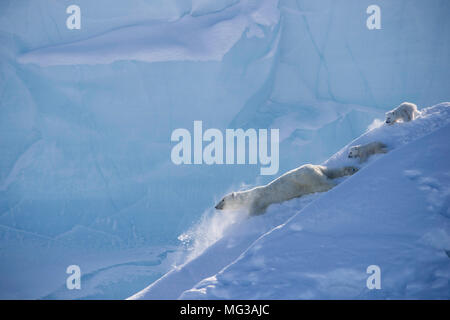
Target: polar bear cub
[365, 151]
[406, 111]
[303, 180]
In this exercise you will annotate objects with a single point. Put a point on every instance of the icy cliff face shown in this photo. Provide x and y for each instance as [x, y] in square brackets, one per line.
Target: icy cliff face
[86, 115]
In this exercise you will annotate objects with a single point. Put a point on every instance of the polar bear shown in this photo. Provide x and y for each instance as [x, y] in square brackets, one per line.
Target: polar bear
[406, 111]
[303, 180]
[365, 151]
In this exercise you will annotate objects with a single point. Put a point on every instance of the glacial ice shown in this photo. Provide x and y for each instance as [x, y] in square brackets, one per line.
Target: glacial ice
[86, 115]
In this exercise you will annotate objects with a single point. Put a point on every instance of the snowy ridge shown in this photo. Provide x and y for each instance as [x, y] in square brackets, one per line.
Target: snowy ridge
[393, 213]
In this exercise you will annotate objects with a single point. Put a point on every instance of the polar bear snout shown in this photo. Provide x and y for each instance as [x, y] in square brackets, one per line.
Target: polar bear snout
[389, 119]
[350, 170]
[229, 202]
[220, 205]
[353, 152]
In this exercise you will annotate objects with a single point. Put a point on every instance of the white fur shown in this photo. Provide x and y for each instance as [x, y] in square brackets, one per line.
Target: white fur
[365, 151]
[293, 184]
[406, 111]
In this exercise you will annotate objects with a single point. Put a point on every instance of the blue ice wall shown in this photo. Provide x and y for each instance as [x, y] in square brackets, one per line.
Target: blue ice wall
[86, 115]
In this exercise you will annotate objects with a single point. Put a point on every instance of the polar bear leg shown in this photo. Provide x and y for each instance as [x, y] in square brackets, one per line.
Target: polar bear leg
[362, 157]
[409, 114]
[256, 210]
[401, 115]
[324, 186]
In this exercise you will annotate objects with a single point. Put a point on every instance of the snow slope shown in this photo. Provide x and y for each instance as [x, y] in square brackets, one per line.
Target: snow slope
[86, 118]
[393, 213]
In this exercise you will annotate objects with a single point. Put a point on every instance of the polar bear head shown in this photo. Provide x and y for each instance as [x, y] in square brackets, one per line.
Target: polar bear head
[354, 152]
[391, 117]
[232, 201]
[348, 171]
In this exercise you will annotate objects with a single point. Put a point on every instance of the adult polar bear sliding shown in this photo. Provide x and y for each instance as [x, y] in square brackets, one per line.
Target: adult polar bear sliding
[304, 180]
[406, 111]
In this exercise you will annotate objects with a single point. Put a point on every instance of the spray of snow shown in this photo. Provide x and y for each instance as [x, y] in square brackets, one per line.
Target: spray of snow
[212, 226]
[375, 124]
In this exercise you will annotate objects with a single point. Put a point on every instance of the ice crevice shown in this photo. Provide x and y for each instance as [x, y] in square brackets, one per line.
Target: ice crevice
[320, 52]
[361, 73]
